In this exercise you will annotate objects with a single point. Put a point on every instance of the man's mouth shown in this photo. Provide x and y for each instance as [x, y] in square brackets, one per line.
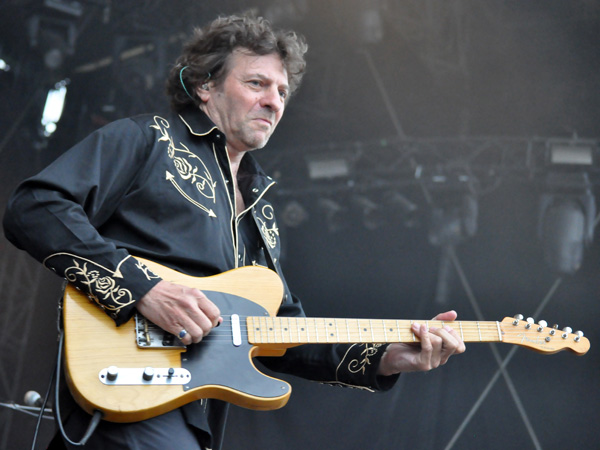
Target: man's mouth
[264, 120]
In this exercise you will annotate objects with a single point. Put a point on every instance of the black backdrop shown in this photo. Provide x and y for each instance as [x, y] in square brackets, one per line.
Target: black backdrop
[441, 70]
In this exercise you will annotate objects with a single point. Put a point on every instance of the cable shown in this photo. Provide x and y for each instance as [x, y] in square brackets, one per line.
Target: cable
[42, 408]
[94, 421]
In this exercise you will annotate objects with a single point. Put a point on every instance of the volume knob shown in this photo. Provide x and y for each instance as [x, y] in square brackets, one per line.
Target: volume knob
[148, 374]
[111, 373]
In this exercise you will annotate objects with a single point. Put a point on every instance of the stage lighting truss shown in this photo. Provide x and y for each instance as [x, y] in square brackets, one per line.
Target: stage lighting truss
[475, 164]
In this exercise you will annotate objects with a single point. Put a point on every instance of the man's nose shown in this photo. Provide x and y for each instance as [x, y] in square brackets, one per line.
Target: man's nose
[272, 99]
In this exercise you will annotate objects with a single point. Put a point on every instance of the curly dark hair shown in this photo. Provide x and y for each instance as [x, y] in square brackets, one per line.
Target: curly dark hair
[206, 54]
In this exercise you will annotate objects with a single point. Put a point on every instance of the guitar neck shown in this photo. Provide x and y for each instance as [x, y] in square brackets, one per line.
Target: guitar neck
[290, 331]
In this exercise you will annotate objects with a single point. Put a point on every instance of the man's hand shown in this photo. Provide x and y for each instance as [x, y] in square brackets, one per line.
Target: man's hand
[437, 345]
[174, 308]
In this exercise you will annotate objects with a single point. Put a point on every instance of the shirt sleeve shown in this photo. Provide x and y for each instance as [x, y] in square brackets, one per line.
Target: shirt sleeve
[55, 216]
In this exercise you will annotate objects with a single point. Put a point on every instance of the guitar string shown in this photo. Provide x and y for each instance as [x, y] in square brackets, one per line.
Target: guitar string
[472, 331]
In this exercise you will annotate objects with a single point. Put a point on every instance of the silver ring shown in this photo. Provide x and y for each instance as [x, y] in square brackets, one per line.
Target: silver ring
[182, 334]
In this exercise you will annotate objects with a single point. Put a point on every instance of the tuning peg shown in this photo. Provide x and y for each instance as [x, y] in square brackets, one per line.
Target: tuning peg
[517, 318]
[566, 331]
[542, 324]
[530, 322]
[579, 336]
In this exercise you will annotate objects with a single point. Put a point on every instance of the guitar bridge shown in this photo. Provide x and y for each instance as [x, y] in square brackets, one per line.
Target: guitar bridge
[150, 335]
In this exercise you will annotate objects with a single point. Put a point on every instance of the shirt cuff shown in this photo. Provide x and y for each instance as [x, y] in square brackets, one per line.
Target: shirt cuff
[359, 365]
[114, 290]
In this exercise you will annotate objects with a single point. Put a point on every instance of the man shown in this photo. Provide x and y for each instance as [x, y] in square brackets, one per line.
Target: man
[183, 190]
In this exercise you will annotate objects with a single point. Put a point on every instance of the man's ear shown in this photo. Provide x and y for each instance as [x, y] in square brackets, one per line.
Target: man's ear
[203, 91]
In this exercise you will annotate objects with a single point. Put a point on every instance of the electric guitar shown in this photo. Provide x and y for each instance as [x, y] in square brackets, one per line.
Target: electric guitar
[137, 371]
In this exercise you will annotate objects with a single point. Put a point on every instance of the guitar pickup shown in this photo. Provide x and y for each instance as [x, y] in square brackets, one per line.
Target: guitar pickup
[149, 335]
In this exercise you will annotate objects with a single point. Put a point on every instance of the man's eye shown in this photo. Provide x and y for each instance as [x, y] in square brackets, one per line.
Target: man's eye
[283, 94]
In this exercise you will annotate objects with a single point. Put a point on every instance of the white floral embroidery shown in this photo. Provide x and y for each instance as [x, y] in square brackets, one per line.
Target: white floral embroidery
[188, 166]
[270, 234]
[103, 290]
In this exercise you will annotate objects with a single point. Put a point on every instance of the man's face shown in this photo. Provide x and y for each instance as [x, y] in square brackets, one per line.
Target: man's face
[248, 104]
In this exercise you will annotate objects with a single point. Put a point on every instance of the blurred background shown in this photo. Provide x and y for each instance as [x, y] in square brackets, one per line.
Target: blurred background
[439, 155]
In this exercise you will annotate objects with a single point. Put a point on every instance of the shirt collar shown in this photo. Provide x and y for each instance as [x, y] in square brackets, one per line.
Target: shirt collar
[197, 122]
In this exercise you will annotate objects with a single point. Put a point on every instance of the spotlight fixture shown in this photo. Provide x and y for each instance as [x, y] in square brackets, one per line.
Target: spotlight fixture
[571, 152]
[55, 102]
[294, 214]
[335, 214]
[327, 166]
[566, 220]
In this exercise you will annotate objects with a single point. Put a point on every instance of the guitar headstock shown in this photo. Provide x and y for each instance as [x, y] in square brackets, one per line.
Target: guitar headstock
[541, 337]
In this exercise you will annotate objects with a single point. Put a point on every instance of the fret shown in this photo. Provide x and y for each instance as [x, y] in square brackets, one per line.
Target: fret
[462, 336]
[270, 334]
[479, 331]
[251, 329]
[306, 330]
[385, 331]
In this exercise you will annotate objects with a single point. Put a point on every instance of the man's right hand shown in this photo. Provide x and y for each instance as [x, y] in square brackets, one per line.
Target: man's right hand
[174, 308]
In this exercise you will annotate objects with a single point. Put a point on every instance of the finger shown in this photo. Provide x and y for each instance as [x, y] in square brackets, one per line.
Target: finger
[448, 316]
[461, 344]
[422, 332]
[202, 314]
[208, 308]
[445, 346]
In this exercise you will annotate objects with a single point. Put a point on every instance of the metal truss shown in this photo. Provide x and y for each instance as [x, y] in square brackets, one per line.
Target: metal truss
[477, 164]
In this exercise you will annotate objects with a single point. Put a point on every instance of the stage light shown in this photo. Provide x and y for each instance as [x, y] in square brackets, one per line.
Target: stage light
[571, 152]
[454, 220]
[566, 221]
[54, 39]
[373, 214]
[53, 109]
[294, 214]
[71, 7]
[370, 22]
[4, 67]
[336, 215]
[327, 166]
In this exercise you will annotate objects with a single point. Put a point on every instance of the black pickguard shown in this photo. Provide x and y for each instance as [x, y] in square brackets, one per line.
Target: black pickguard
[216, 361]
